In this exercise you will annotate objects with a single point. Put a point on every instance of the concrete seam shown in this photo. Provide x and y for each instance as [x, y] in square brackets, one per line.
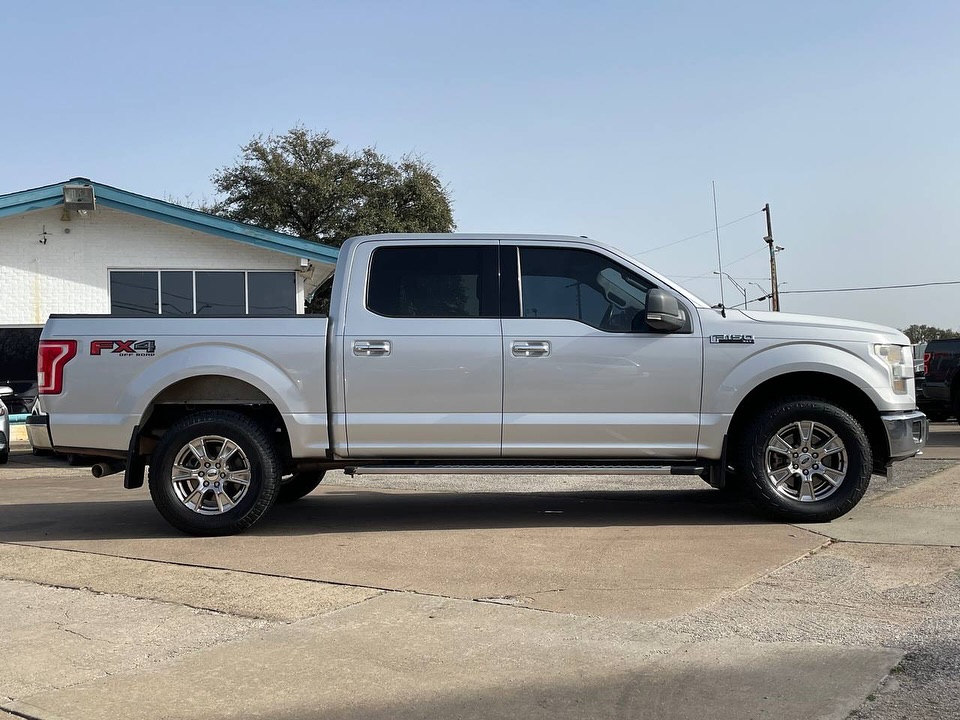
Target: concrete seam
[26, 711]
[203, 567]
[734, 591]
[381, 590]
[804, 556]
[897, 544]
[81, 588]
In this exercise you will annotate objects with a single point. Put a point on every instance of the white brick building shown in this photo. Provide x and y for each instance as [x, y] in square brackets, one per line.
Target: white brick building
[134, 255]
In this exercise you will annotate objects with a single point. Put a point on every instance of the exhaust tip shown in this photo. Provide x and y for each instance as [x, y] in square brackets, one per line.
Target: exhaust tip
[104, 468]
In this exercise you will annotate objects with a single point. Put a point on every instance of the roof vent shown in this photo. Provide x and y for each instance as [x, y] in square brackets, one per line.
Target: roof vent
[79, 197]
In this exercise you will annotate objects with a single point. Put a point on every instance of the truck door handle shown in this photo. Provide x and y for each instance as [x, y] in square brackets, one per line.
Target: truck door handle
[371, 348]
[530, 348]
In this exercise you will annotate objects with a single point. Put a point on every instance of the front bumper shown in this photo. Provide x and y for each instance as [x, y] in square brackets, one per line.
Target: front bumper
[38, 432]
[906, 433]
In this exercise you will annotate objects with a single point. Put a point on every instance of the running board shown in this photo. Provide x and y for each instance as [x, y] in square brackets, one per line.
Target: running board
[539, 469]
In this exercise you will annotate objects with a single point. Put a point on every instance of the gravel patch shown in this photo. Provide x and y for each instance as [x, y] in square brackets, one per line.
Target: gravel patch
[850, 594]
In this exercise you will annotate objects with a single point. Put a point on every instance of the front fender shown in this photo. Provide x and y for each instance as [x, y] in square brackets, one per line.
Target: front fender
[732, 378]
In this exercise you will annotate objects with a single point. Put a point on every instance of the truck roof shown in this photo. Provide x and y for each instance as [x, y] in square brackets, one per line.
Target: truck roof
[461, 236]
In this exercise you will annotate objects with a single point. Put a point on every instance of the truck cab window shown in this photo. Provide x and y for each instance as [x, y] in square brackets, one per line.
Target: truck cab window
[571, 284]
[434, 282]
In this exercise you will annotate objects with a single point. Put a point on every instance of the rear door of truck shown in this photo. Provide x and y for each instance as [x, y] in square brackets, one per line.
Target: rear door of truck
[423, 372]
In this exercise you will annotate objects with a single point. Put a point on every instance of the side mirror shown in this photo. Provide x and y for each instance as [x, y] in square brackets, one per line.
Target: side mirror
[663, 311]
[5, 390]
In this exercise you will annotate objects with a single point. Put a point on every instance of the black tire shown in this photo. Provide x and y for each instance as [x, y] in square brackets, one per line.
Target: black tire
[298, 485]
[4, 456]
[255, 460]
[40, 452]
[849, 468]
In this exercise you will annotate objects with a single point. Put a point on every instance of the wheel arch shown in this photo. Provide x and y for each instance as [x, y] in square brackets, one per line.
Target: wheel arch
[830, 388]
[210, 392]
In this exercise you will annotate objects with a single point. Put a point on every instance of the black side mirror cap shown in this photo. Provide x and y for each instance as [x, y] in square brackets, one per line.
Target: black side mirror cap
[663, 311]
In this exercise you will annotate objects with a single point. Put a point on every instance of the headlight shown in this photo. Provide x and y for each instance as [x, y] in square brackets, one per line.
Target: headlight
[900, 361]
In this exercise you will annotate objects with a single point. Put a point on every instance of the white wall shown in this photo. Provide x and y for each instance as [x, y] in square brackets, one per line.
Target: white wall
[71, 272]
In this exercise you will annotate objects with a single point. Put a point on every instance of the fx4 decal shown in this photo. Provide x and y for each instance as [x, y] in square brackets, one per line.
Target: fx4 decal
[740, 339]
[123, 347]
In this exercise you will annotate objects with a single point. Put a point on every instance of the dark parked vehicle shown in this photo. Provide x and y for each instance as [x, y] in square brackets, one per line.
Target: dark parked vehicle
[940, 396]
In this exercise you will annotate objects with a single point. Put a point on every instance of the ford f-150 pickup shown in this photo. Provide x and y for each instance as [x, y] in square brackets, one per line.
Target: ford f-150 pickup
[481, 354]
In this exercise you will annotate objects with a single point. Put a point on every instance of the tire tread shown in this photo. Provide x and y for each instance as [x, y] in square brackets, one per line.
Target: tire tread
[753, 443]
[270, 470]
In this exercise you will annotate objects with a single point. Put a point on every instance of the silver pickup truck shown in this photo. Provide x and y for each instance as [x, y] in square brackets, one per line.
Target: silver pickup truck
[481, 354]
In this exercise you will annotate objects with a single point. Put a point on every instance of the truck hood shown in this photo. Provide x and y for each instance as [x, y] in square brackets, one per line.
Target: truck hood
[784, 325]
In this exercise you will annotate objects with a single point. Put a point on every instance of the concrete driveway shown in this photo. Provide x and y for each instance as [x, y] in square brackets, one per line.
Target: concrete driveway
[533, 597]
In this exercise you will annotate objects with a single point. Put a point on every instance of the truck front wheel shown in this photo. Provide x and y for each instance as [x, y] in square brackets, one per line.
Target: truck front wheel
[214, 473]
[805, 460]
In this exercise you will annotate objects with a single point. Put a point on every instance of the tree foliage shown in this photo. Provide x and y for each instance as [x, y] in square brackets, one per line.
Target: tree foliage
[926, 333]
[302, 183]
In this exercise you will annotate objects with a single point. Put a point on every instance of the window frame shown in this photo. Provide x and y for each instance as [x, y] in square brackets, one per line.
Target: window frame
[140, 271]
[489, 277]
[515, 302]
[193, 286]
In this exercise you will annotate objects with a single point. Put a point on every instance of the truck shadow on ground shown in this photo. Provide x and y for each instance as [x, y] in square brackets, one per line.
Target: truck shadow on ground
[347, 510]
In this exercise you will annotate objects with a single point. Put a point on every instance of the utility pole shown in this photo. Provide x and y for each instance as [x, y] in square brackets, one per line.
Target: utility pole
[774, 290]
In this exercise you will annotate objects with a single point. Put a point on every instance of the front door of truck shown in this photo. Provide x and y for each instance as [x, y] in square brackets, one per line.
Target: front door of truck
[584, 376]
[423, 372]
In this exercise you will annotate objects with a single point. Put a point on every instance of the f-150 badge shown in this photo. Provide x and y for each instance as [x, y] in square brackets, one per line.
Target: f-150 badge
[736, 339]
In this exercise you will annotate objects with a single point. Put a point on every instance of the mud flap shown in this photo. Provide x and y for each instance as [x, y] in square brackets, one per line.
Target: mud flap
[133, 475]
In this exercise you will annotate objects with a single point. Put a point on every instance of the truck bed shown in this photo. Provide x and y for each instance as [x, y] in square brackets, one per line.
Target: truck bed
[123, 366]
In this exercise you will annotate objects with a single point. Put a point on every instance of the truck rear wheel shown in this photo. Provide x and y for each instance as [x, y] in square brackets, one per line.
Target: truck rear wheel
[805, 460]
[214, 473]
[299, 484]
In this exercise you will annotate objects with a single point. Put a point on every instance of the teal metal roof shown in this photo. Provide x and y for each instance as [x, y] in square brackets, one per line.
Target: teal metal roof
[111, 197]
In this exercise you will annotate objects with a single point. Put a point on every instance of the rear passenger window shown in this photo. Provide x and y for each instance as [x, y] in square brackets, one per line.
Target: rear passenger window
[434, 282]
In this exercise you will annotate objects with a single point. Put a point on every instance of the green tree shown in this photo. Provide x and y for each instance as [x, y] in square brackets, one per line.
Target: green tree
[301, 183]
[925, 333]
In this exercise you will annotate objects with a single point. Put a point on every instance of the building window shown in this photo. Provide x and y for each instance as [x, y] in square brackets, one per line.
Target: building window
[271, 293]
[220, 293]
[136, 293]
[176, 292]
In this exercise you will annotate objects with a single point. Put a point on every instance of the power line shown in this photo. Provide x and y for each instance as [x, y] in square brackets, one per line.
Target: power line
[751, 254]
[856, 289]
[874, 287]
[700, 234]
[710, 272]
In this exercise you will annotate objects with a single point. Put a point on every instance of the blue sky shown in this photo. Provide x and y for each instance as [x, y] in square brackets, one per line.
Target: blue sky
[607, 119]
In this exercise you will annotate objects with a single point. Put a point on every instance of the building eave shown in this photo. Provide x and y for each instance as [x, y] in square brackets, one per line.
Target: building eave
[162, 211]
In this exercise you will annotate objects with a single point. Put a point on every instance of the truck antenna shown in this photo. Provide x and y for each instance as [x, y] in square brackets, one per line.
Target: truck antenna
[716, 221]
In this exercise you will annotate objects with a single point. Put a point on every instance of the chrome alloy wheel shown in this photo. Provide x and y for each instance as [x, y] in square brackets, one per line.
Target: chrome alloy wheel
[805, 461]
[210, 475]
